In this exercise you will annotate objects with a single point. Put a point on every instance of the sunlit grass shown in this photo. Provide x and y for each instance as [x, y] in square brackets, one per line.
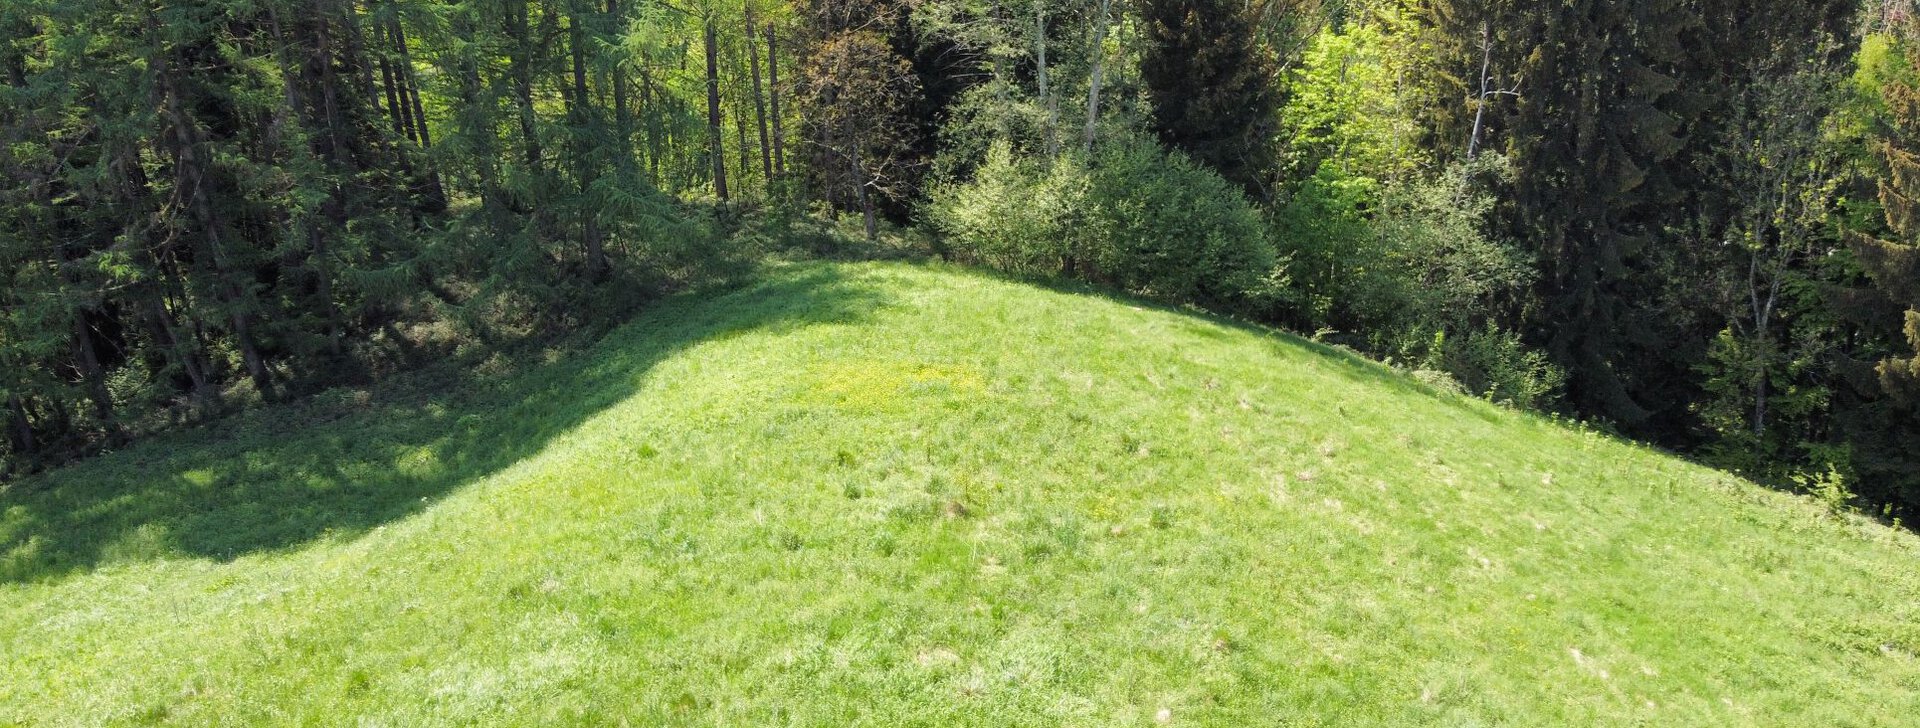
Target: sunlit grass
[884, 495]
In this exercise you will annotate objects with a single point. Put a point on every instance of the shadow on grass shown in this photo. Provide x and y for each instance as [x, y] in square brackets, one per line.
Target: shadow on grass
[344, 462]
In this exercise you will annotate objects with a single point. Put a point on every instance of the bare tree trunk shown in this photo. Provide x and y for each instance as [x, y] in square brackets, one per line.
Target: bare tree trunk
[1050, 133]
[773, 86]
[1487, 92]
[715, 134]
[759, 100]
[583, 116]
[1095, 76]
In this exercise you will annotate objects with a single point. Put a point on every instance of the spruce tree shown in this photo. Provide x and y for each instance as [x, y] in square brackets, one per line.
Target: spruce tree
[1599, 113]
[1214, 86]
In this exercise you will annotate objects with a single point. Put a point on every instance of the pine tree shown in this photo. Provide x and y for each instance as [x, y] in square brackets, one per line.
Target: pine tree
[1600, 113]
[1213, 86]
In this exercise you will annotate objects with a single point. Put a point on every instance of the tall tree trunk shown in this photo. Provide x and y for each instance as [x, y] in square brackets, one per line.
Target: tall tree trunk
[164, 326]
[396, 109]
[649, 100]
[250, 351]
[741, 148]
[520, 62]
[583, 118]
[773, 87]
[20, 430]
[192, 177]
[1002, 76]
[1095, 76]
[153, 294]
[714, 131]
[87, 359]
[622, 113]
[759, 99]
[404, 99]
[436, 192]
[357, 52]
[410, 86]
[316, 68]
[1050, 133]
[866, 198]
[1487, 91]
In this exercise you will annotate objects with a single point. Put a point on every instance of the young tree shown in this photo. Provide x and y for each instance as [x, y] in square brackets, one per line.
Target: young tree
[854, 92]
[1779, 173]
[1880, 411]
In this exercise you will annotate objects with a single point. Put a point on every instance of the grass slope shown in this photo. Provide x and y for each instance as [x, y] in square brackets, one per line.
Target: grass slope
[892, 495]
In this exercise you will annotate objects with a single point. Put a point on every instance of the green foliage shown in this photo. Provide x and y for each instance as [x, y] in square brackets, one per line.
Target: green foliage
[1495, 364]
[1324, 233]
[1408, 270]
[1137, 217]
[1159, 224]
[1830, 488]
[1346, 104]
[1739, 366]
[1016, 214]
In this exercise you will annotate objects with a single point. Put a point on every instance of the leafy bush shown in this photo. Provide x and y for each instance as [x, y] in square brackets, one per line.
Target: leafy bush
[1409, 265]
[1332, 254]
[1138, 218]
[1495, 364]
[1015, 215]
[1159, 224]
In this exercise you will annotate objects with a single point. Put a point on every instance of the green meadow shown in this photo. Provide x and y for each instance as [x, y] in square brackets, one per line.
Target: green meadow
[886, 494]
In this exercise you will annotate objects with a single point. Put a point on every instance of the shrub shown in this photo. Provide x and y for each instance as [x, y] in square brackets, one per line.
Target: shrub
[1493, 363]
[1158, 224]
[1409, 265]
[1137, 218]
[1333, 255]
[1015, 215]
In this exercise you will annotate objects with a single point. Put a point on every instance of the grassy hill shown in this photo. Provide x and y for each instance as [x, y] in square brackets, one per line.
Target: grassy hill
[894, 495]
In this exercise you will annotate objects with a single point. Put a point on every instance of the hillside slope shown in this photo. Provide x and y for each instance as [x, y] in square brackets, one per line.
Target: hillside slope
[893, 495]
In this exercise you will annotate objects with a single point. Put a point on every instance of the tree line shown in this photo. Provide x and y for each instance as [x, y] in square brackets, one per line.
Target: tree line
[1689, 221]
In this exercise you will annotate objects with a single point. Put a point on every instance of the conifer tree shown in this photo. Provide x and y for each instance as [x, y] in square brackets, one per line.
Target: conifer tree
[1213, 86]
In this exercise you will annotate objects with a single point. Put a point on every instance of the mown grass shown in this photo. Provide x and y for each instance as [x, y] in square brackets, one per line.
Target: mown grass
[882, 494]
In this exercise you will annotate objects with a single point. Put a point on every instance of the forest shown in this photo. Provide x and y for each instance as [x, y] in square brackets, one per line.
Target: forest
[1691, 223]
